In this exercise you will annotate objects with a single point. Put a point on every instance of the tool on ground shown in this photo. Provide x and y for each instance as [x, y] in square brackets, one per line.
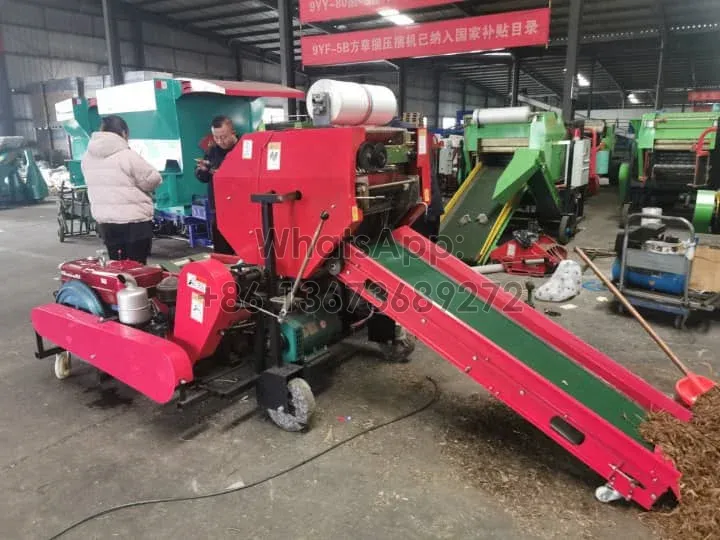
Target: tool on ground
[370, 269]
[690, 387]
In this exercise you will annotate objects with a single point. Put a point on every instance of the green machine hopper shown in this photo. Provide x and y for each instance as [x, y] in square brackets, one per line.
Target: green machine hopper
[79, 118]
[169, 122]
[676, 166]
[523, 169]
[21, 181]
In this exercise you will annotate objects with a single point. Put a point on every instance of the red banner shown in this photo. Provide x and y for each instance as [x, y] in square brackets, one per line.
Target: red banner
[328, 10]
[500, 31]
[704, 95]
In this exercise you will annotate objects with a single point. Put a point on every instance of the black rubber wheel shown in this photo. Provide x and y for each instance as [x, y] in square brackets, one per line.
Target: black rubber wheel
[302, 406]
[564, 233]
[380, 156]
[704, 326]
[365, 156]
[61, 231]
[679, 322]
[624, 213]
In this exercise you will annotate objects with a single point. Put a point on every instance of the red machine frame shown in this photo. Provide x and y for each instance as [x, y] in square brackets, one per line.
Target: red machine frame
[631, 469]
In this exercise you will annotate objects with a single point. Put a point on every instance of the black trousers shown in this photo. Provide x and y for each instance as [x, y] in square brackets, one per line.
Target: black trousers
[127, 240]
[220, 244]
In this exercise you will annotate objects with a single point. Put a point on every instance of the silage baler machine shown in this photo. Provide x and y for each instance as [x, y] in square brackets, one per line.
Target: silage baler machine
[319, 219]
[676, 167]
[525, 172]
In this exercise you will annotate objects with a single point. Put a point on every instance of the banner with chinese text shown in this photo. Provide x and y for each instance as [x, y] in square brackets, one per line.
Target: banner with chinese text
[328, 10]
[499, 31]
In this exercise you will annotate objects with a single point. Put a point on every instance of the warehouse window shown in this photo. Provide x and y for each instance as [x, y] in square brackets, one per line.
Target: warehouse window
[448, 122]
[273, 115]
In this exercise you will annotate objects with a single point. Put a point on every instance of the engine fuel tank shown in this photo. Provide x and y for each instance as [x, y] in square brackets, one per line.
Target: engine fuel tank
[105, 280]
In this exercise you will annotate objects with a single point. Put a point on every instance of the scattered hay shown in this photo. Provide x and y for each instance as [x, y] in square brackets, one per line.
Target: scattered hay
[695, 448]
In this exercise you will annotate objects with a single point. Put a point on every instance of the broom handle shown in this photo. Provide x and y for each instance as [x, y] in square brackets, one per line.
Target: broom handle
[680, 365]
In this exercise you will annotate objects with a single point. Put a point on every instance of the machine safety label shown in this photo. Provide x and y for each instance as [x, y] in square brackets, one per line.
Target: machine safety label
[273, 156]
[197, 307]
[247, 149]
[194, 283]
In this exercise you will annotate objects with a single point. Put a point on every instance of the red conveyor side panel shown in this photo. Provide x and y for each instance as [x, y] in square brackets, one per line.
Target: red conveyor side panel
[611, 453]
[645, 395]
[151, 365]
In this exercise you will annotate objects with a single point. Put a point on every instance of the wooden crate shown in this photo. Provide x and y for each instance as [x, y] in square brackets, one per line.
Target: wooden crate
[414, 118]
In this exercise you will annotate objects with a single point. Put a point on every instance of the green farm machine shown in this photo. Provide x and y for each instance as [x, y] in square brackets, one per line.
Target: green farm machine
[21, 181]
[675, 167]
[524, 171]
[79, 118]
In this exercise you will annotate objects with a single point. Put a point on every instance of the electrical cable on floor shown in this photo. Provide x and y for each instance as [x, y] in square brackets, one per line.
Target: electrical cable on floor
[430, 402]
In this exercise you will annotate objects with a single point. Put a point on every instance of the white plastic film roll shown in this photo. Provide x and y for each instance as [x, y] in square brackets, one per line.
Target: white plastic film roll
[353, 104]
[653, 212]
[384, 105]
[505, 115]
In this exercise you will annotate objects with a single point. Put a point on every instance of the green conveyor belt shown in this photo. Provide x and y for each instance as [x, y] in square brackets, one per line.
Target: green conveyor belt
[554, 366]
[460, 225]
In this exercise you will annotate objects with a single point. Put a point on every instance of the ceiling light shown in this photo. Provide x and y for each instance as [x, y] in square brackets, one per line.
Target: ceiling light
[388, 12]
[632, 98]
[400, 20]
[582, 81]
[498, 54]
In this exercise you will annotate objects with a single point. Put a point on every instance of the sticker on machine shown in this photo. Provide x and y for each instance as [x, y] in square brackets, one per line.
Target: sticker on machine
[194, 283]
[422, 141]
[197, 308]
[273, 156]
[247, 149]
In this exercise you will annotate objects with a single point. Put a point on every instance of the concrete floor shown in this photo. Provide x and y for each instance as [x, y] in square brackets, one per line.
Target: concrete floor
[466, 468]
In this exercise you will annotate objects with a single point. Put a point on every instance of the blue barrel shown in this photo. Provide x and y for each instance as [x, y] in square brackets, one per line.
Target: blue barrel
[652, 281]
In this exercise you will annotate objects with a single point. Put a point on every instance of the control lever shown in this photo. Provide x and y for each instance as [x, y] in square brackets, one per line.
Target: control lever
[290, 299]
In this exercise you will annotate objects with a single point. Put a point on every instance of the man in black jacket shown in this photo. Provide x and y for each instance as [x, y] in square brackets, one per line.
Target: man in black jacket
[224, 139]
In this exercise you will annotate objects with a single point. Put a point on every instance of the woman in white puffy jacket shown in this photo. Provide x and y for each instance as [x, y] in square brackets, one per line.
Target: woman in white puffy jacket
[120, 184]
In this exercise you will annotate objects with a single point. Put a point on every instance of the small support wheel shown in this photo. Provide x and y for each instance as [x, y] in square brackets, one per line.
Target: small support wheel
[564, 231]
[680, 321]
[606, 494]
[704, 326]
[399, 350]
[624, 213]
[301, 407]
[61, 230]
[63, 365]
